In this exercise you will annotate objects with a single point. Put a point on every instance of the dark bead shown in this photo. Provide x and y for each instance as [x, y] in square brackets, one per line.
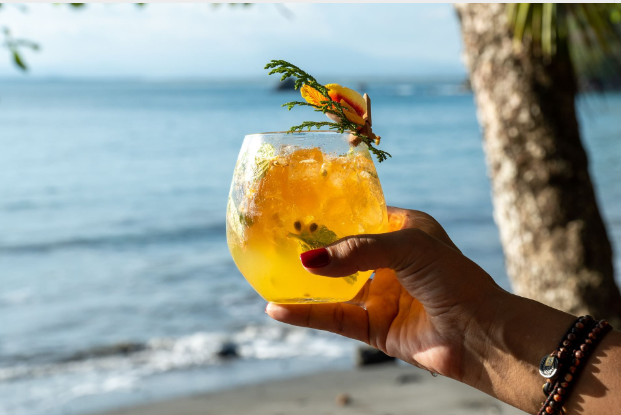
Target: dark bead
[576, 362]
[568, 377]
[566, 343]
[550, 410]
[552, 404]
[588, 341]
[560, 391]
[579, 354]
[604, 323]
[547, 388]
[572, 369]
[588, 317]
[557, 398]
[584, 347]
[564, 384]
[579, 326]
[592, 336]
[571, 336]
[597, 330]
[561, 355]
[562, 349]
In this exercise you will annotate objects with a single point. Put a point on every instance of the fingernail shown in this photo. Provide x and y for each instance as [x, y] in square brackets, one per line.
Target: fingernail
[317, 258]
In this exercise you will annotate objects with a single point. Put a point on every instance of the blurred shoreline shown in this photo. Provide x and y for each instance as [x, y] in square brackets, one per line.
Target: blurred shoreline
[378, 390]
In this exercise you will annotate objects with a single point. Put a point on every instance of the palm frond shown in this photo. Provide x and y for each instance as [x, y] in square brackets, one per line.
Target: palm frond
[591, 32]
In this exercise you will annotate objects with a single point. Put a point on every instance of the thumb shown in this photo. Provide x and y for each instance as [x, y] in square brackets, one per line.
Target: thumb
[404, 250]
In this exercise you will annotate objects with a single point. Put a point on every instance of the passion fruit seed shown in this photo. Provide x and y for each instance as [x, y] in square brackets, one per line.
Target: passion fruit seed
[313, 227]
[297, 225]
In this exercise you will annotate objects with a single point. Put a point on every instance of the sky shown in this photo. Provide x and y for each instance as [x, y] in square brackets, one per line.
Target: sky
[224, 42]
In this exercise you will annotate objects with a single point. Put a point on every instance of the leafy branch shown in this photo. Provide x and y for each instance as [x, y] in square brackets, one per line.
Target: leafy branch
[328, 106]
[14, 45]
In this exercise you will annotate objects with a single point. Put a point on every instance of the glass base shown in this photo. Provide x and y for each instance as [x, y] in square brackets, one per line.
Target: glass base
[307, 300]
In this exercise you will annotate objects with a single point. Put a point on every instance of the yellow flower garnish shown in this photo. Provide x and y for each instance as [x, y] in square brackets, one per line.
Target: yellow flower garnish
[348, 110]
[353, 102]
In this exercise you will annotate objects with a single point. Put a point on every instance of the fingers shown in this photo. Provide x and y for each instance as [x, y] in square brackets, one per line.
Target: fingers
[395, 250]
[404, 218]
[345, 319]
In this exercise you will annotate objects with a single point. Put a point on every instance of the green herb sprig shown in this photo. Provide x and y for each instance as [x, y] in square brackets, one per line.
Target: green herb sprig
[329, 106]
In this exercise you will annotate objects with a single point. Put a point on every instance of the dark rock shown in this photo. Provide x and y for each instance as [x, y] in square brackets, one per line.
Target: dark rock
[286, 85]
[343, 399]
[228, 350]
[366, 356]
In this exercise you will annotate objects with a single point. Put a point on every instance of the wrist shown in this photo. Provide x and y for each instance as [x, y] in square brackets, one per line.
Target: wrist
[504, 345]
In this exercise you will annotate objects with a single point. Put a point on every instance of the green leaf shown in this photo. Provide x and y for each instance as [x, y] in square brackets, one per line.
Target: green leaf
[547, 31]
[351, 278]
[18, 61]
[312, 240]
[262, 159]
[520, 24]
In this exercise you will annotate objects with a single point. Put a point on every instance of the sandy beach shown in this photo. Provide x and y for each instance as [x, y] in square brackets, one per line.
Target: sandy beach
[386, 389]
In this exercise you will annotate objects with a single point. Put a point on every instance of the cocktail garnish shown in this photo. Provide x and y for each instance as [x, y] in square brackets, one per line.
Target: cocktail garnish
[319, 238]
[347, 109]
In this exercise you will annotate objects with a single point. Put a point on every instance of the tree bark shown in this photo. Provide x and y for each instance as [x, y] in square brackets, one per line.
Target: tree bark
[555, 242]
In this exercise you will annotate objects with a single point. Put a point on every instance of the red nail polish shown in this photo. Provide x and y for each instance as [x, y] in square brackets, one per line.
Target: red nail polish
[317, 258]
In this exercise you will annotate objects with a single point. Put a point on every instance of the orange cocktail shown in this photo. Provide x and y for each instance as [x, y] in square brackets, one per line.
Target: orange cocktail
[295, 192]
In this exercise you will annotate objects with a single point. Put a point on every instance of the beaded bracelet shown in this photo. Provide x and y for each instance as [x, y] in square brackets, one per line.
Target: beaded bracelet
[551, 365]
[563, 386]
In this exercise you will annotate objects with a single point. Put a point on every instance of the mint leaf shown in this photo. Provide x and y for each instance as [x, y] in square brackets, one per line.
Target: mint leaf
[351, 278]
[313, 240]
[262, 160]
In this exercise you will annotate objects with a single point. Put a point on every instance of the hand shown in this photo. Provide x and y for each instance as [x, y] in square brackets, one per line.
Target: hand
[424, 304]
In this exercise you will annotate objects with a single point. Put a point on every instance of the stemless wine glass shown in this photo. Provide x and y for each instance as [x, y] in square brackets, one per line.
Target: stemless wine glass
[293, 192]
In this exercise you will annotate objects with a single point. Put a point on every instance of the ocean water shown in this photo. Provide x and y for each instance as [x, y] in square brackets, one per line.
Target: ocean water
[117, 287]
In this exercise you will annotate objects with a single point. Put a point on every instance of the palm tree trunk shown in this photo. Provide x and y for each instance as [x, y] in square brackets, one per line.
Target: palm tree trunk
[555, 242]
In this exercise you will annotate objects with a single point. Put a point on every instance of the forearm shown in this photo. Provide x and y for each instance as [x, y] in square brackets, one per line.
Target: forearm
[505, 346]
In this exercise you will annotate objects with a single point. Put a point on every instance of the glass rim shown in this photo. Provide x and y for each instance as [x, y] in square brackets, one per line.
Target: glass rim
[300, 133]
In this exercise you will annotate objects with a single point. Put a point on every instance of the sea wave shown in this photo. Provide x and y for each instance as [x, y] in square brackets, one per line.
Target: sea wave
[119, 241]
[194, 350]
